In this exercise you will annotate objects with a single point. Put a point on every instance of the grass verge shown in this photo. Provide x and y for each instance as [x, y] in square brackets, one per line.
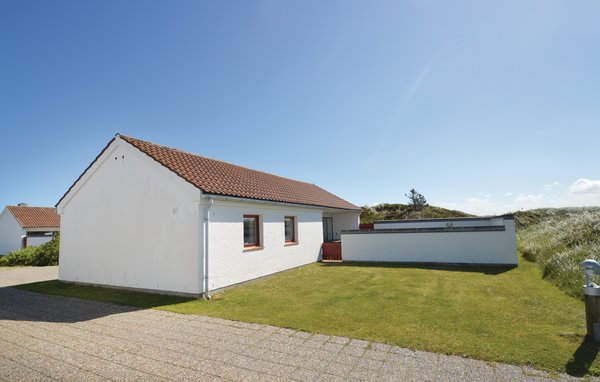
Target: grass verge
[503, 315]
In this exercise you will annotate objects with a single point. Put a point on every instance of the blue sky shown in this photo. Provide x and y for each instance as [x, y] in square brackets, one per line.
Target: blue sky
[483, 106]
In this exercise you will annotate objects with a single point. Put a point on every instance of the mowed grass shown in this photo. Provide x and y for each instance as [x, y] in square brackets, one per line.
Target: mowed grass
[503, 315]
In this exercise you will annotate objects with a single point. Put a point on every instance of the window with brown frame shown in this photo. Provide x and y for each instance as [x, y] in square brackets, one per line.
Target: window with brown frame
[289, 223]
[251, 231]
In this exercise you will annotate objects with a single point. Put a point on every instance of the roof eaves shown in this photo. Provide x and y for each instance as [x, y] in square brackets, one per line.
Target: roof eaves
[242, 198]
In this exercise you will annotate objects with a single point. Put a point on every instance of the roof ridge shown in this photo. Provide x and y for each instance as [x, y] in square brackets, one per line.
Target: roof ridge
[32, 207]
[218, 177]
[217, 160]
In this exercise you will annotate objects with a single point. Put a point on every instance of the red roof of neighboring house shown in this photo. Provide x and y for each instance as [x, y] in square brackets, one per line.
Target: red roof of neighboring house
[35, 217]
[221, 178]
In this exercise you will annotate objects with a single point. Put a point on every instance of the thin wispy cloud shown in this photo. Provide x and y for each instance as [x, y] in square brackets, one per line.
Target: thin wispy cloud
[550, 186]
[405, 100]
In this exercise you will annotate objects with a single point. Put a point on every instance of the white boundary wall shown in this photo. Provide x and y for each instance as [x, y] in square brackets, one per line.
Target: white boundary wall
[490, 244]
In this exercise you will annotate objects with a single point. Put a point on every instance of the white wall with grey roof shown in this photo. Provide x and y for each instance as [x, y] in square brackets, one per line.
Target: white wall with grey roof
[457, 242]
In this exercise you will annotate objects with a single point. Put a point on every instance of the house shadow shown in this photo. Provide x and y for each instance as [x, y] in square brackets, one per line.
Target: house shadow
[26, 305]
[582, 359]
[475, 268]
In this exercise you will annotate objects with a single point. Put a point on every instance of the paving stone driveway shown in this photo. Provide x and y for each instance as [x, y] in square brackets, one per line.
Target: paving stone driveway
[22, 275]
[57, 338]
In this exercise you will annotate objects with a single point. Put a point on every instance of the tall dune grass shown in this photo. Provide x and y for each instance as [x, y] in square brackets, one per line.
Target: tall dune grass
[559, 240]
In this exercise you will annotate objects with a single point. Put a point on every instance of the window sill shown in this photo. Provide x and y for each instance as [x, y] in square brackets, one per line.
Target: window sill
[290, 243]
[253, 248]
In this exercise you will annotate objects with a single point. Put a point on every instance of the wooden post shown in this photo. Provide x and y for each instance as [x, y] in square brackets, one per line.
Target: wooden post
[592, 316]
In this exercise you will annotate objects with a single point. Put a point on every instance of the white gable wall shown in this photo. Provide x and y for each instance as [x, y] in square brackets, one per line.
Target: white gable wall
[230, 263]
[130, 222]
[10, 233]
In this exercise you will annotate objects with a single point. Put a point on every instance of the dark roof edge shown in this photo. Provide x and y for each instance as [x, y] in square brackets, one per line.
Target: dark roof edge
[84, 171]
[482, 218]
[242, 198]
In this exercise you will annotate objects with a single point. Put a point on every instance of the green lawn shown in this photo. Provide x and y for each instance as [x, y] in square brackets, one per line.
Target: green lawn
[506, 315]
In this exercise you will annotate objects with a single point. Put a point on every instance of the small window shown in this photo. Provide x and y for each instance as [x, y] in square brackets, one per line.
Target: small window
[251, 231]
[289, 223]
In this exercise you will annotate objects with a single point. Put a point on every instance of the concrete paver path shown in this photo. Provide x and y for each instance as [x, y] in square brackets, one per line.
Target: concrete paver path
[22, 275]
[46, 337]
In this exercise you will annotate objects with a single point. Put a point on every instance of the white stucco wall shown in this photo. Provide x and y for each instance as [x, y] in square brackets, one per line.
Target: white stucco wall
[10, 233]
[230, 263]
[130, 222]
[38, 240]
[475, 247]
[343, 221]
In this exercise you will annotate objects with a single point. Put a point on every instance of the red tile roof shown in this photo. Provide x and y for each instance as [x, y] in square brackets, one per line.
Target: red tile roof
[221, 178]
[35, 217]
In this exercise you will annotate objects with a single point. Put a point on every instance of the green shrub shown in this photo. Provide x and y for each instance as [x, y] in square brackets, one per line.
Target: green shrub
[42, 255]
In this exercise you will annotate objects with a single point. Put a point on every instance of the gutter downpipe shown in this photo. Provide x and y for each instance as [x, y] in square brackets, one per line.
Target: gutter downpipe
[206, 295]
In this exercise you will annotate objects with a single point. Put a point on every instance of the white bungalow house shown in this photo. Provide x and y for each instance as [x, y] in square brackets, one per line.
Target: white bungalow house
[150, 217]
[22, 226]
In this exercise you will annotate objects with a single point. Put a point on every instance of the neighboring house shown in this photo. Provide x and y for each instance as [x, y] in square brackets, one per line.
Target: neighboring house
[22, 226]
[151, 217]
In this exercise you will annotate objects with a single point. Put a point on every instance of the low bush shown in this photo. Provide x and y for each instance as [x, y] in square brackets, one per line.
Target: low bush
[41, 255]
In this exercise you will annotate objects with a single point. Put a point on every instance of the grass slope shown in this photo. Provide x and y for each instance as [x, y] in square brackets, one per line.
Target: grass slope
[387, 211]
[558, 240]
[507, 315]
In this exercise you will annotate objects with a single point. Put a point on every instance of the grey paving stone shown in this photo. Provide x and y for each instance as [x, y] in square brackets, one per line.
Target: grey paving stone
[339, 340]
[359, 343]
[316, 340]
[195, 376]
[315, 363]
[369, 363]
[421, 371]
[363, 375]
[331, 347]
[303, 335]
[46, 337]
[502, 372]
[452, 365]
[305, 375]
[331, 378]
[15, 371]
[347, 359]
[148, 365]
[339, 369]
[353, 350]
[381, 347]
[375, 354]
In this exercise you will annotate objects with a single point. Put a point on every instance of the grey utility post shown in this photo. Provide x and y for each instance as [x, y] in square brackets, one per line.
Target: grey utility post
[591, 292]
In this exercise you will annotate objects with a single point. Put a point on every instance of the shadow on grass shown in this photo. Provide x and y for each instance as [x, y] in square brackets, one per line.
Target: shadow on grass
[584, 356]
[18, 304]
[485, 269]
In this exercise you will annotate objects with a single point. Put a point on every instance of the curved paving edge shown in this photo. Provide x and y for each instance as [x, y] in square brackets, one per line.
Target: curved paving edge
[46, 337]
